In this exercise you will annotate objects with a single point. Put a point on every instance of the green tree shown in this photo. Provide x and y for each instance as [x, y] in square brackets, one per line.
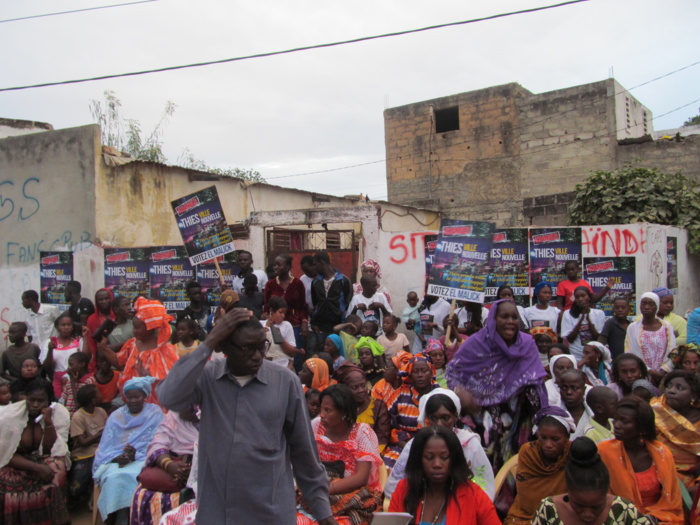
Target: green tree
[188, 160]
[125, 134]
[692, 121]
[635, 194]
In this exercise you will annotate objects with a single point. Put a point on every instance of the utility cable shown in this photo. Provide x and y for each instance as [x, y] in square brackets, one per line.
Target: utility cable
[74, 11]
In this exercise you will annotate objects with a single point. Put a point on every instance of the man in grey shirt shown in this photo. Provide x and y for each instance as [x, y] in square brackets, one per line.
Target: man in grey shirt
[254, 429]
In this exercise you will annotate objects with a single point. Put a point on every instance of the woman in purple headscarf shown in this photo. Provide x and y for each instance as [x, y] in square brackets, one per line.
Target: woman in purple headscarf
[499, 378]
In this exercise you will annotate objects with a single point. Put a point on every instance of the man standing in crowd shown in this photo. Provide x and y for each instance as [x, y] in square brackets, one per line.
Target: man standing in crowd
[198, 310]
[245, 262]
[39, 318]
[309, 269]
[80, 307]
[254, 430]
[331, 293]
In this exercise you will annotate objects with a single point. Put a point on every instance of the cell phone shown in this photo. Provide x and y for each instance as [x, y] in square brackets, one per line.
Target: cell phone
[277, 337]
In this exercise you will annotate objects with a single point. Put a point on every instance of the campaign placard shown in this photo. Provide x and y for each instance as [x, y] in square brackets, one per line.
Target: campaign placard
[55, 270]
[208, 276]
[170, 271]
[550, 248]
[597, 271]
[127, 272]
[671, 262]
[202, 225]
[509, 265]
[461, 262]
[430, 242]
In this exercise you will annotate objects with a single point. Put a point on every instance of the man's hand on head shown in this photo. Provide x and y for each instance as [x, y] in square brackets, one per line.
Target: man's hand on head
[226, 326]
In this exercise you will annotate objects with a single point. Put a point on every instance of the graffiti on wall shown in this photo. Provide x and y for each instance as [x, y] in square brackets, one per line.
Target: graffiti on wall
[606, 241]
[407, 246]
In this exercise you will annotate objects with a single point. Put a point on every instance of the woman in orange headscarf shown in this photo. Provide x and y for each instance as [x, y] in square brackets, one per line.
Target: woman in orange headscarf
[149, 352]
[315, 374]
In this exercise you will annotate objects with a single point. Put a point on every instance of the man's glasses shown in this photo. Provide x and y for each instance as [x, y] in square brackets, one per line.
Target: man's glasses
[248, 351]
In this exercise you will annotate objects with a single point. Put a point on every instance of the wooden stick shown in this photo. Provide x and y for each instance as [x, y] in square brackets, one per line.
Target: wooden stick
[449, 327]
[221, 277]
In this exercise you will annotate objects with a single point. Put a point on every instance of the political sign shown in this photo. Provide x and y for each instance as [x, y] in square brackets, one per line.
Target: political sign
[55, 270]
[127, 272]
[550, 248]
[202, 225]
[208, 275]
[430, 242]
[461, 262]
[597, 271]
[509, 265]
[170, 271]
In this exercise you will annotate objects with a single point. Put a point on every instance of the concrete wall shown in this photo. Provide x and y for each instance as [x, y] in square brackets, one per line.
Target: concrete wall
[47, 187]
[632, 119]
[669, 156]
[13, 127]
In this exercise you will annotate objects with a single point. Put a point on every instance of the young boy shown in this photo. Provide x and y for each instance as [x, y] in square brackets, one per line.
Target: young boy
[614, 331]
[370, 305]
[602, 401]
[251, 298]
[77, 377]
[282, 351]
[411, 313]
[20, 350]
[565, 289]
[572, 385]
[86, 429]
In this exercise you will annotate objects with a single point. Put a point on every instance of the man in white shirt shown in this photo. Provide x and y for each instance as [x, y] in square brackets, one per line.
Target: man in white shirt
[432, 312]
[39, 318]
[309, 269]
[245, 262]
[369, 304]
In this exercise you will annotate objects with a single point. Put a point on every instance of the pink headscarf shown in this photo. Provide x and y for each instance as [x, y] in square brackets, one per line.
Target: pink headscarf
[371, 263]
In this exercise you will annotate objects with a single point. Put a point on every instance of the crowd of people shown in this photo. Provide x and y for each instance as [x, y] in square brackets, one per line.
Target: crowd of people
[310, 400]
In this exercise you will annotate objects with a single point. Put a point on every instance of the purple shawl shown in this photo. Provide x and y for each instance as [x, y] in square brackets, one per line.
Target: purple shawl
[492, 371]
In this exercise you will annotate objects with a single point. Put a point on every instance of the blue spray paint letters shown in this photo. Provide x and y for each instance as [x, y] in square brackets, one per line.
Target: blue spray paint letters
[26, 253]
[26, 210]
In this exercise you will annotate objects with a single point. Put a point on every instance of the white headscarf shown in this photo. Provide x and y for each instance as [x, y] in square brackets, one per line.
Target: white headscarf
[556, 357]
[424, 401]
[604, 350]
[652, 296]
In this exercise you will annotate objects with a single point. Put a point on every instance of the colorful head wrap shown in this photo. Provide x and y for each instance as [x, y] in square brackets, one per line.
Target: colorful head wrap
[433, 344]
[652, 296]
[372, 344]
[424, 402]
[371, 263]
[557, 413]
[319, 369]
[677, 354]
[400, 359]
[140, 383]
[155, 316]
[646, 385]
[338, 342]
[662, 291]
[407, 369]
[347, 368]
[544, 330]
[538, 289]
[604, 351]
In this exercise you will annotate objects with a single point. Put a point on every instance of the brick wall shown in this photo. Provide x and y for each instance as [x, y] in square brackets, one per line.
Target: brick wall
[669, 156]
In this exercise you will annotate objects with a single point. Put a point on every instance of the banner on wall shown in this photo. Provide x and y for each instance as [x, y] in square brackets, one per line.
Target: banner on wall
[170, 271]
[672, 262]
[509, 265]
[461, 261]
[622, 270]
[430, 242]
[208, 276]
[550, 248]
[202, 225]
[55, 270]
[127, 272]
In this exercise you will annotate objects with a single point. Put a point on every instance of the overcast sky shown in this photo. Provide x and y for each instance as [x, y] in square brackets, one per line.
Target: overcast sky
[322, 109]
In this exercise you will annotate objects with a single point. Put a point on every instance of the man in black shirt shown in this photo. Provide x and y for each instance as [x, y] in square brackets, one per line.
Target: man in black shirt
[80, 307]
[198, 310]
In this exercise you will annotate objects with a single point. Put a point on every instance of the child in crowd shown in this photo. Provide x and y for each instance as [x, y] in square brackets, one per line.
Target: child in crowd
[615, 328]
[252, 298]
[541, 313]
[558, 364]
[385, 388]
[602, 402]
[390, 339]
[106, 380]
[645, 389]
[186, 332]
[457, 337]
[335, 348]
[280, 333]
[78, 376]
[436, 352]
[18, 351]
[369, 365]
[686, 357]
[411, 313]
[349, 332]
[54, 358]
[572, 386]
[313, 402]
[626, 369]
[29, 371]
[566, 288]
[368, 338]
[581, 323]
[5, 393]
[544, 337]
[86, 428]
[370, 305]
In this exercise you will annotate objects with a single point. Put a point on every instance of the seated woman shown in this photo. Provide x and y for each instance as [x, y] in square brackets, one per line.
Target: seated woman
[686, 357]
[544, 337]
[33, 458]
[419, 379]
[437, 488]
[170, 452]
[678, 423]
[314, 374]
[541, 464]
[441, 408]
[587, 499]
[626, 369]
[651, 339]
[350, 453]
[384, 388]
[596, 363]
[122, 450]
[369, 410]
[149, 353]
[641, 468]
